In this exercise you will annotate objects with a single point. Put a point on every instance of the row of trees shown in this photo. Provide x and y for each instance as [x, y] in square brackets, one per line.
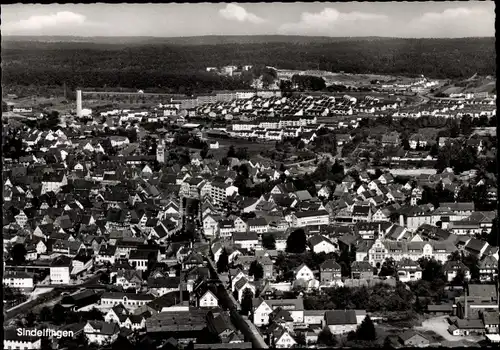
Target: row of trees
[185, 139]
[326, 172]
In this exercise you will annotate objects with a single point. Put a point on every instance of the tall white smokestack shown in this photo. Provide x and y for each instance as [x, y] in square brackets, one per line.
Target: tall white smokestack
[78, 103]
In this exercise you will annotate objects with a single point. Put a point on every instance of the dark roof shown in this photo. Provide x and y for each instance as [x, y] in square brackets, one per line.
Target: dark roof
[361, 210]
[106, 328]
[440, 308]
[139, 254]
[330, 264]
[483, 290]
[61, 261]
[164, 282]
[192, 320]
[407, 335]
[361, 266]
[220, 323]
[475, 245]
[309, 213]
[340, 317]
[245, 236]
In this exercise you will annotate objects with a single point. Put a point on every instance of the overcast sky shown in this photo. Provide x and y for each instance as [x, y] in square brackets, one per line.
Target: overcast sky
[390, 19]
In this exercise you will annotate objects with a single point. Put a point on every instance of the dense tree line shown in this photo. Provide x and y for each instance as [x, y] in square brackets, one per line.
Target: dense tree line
[176, 66]
[308, 82]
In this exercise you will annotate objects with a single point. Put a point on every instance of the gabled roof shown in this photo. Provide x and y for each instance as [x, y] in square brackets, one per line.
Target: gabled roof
[463, 206]
[105, 328]
[455, 266]
[301, 266]
[245, 236]
[317, 239]
[407, 335]
[330, 264]
[340, 317]
[475, 245]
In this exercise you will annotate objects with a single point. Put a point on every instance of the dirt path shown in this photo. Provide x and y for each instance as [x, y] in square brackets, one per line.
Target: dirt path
[439, 325]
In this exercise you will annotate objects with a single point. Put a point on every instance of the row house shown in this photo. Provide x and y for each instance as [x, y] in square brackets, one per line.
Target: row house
[129, 300]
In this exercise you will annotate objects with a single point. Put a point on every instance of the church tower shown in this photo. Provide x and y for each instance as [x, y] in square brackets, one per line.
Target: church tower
[160, 152]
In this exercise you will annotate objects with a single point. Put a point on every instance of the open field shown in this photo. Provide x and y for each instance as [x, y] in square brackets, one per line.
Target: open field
[475, 85]
[252, 147]
[413, 172]
[492, 131]
[39, 103]
[364, 79]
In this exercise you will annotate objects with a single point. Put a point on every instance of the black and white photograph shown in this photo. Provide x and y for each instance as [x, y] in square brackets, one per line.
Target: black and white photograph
[275, 175]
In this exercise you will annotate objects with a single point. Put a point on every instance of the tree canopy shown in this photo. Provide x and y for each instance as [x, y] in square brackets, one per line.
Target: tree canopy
[326, 337]
[268, 241]
[18, 254]
[223, 262]
[256, 270]
[296, 242]
[366, 330]
[246, 301]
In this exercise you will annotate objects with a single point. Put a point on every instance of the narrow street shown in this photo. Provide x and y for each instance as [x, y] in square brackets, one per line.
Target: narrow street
[246, 327]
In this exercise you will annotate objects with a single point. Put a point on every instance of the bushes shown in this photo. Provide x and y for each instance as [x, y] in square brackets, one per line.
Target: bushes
[379, 298]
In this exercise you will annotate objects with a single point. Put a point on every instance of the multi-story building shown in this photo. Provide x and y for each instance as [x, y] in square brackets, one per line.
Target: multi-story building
[218, 191]
[408, 270]
[413, 250]
[60, 270]
[191, 187]
[310, 218]
[18, 279]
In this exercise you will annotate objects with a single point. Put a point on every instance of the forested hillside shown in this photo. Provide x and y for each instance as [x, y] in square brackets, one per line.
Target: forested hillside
[176, 64]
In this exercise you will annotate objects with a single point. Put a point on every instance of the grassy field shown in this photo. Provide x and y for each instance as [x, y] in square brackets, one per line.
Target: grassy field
[253, 148]
[477, 84]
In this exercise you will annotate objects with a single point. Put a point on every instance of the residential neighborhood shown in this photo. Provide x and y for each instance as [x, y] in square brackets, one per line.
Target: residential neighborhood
[277, 216]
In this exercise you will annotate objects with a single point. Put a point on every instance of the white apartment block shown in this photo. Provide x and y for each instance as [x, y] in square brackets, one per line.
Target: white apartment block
[218, 191]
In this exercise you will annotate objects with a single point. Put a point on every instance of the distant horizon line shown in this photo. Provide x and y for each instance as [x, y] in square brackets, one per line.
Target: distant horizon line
[231, 35]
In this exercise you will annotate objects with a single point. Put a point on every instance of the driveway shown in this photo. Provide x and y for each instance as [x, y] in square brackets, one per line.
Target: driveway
[439, 325]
